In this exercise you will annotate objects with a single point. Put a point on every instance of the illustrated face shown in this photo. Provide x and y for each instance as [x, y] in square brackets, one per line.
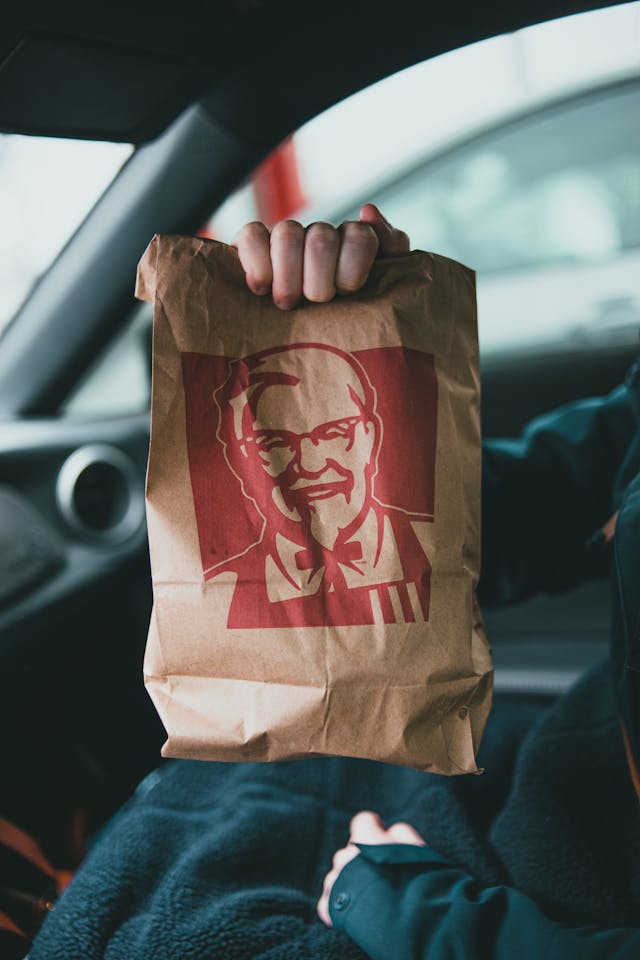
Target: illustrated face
[313, 439]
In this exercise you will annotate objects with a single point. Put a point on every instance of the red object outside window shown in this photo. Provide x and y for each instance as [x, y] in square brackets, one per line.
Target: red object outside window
[277, 187]
[277, 190]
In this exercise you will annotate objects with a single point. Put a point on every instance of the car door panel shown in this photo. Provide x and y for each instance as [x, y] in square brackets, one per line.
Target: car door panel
[72, 640]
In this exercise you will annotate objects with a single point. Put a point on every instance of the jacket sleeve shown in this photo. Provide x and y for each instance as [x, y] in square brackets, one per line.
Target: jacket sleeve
[547, 493]
[401, 902]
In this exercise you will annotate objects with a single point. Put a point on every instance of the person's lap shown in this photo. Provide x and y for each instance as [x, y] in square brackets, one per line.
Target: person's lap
[211, 859]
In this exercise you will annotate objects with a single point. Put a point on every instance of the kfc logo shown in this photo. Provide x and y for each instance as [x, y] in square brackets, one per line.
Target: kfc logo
[301, 437]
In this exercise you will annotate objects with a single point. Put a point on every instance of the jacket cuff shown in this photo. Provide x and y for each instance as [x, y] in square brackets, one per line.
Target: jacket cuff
[399, 853]
[357, 880]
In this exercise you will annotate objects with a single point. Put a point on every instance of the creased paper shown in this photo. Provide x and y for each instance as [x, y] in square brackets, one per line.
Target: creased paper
[313, 502]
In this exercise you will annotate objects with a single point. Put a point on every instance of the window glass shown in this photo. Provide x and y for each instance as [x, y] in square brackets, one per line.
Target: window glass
[119, 383]
[47, 187]
[375, 135]
[559, 187]
[519, 156]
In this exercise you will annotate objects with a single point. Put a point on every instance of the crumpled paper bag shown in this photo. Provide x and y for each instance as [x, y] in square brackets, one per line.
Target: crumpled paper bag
[313, 504]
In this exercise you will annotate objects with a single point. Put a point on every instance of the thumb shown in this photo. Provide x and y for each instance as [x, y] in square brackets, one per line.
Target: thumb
[391, 241]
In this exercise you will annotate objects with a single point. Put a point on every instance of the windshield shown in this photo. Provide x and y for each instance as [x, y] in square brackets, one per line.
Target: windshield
[47, 187]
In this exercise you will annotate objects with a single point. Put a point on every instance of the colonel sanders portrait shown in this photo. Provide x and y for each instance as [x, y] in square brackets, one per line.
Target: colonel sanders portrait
[302, 434]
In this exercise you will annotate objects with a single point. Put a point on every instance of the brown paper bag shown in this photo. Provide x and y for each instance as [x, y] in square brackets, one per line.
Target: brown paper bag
[313, 508]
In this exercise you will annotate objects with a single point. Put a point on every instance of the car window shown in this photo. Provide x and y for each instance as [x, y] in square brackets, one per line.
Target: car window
[119, 383]
[47, 187]
[561, 186]
[530, 174]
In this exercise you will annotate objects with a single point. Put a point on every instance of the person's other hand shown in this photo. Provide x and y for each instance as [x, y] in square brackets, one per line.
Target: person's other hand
[366, 827]
[319, 262]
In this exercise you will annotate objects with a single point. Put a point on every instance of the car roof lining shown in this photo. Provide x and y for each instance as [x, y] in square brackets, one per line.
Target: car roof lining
[125, 72]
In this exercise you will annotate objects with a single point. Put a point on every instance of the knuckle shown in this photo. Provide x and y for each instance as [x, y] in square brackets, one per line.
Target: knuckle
[288, 231]
[401, 238]
[364, 817]
[322, 236]
[404, 832]
[360, 233]
[254, 231]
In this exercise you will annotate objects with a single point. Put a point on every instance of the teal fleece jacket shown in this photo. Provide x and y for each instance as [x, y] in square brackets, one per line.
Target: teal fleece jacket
[545, 498]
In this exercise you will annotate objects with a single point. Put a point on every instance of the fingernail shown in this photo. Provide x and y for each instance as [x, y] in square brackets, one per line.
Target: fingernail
[284, 304]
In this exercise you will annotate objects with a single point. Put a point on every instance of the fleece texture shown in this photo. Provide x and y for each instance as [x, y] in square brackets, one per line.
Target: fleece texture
[227, 861]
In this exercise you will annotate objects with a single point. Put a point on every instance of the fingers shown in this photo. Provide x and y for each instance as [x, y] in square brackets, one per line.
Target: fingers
[322, 906]
[323, 910]
[404, 833]
[367, 827]
[341, 858]
[287, 248]
[391, 241]
[321, 246]
[358, 249]
[318, 262]
[335, 261]
[253, 246]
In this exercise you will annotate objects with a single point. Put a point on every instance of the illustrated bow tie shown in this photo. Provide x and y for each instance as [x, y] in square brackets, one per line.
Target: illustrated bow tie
[316, 557]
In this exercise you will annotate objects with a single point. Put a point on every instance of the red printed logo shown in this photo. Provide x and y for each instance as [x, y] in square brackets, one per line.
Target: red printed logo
[312, 472]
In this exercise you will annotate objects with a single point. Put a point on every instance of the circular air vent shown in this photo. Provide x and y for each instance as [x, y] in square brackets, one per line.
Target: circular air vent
[100, 494]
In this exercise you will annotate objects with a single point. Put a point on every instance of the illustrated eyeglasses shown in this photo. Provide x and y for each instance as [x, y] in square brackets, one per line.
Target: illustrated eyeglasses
[266, 440]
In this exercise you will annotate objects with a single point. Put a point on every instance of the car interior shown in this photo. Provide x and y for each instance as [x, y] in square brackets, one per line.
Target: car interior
[204, 92]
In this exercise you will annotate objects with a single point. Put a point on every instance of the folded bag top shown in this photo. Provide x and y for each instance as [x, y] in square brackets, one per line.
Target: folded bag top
[313, 505]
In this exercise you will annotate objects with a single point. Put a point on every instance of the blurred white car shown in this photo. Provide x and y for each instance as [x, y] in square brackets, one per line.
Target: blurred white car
[545, 206]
